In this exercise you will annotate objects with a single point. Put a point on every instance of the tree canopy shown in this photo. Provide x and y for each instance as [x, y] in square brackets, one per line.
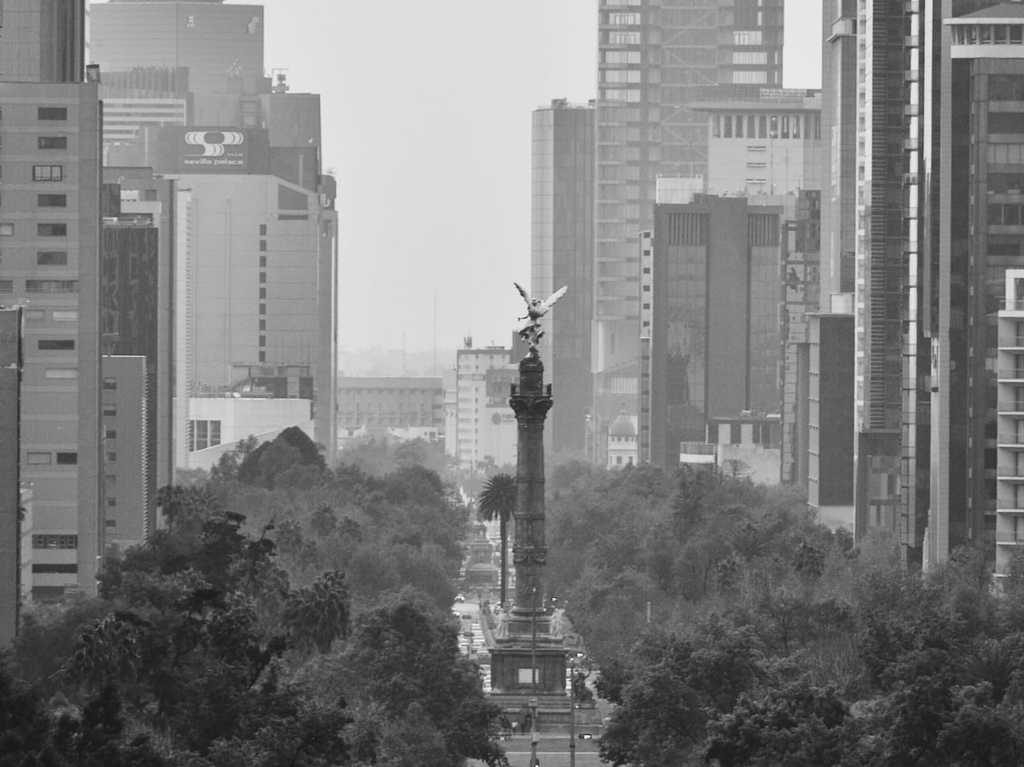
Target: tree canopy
[270, 621]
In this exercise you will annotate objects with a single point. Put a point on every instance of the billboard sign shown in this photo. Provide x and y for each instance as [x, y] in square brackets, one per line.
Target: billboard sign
[176, 149]
[214, 150]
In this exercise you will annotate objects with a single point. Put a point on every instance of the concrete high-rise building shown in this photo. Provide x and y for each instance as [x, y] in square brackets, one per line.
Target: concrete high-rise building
[256, 295]
[10, 473]
[49, 233]
[975, 242]
[801, 251]
[143, 97]
[480, 427]
[655, 60]
[220, 45]
[829, 421]
[1009, 498]
[930, 262]
[881, 262]
[42, 41]
[767, 145]
[132, 319]
[127, 505]
[562, 253]
[839, 134]
[146, 202]
[715, 336]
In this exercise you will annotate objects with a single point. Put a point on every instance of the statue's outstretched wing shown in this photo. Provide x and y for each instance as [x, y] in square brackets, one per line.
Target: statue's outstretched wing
[553, 298]
[522, 292]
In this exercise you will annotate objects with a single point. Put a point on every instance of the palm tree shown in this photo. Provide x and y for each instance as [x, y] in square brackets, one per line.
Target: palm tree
[497, 500]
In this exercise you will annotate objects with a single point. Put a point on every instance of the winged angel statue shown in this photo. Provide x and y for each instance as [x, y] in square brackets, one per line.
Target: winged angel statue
[531, 331]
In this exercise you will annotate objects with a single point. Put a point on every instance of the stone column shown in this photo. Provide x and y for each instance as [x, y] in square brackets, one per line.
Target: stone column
[531, 401]
[529, 660]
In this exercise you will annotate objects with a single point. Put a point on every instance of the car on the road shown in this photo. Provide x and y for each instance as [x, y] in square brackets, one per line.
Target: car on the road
[460, 598]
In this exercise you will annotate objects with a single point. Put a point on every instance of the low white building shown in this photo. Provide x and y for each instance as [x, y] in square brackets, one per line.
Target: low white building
[218, 424]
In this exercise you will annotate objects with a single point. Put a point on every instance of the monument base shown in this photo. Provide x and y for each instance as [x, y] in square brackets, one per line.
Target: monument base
[517, 668]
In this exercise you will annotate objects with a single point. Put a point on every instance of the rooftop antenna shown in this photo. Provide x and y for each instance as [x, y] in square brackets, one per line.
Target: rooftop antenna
[434, 366]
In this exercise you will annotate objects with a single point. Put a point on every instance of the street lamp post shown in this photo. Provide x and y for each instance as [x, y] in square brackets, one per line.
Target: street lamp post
[533, 677]
[533, 731]
[572, 712]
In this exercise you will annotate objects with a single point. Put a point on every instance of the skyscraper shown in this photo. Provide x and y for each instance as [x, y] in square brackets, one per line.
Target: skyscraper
[10, 473]
[881, 262]
[42, 41]
[655, 59]
[977, 236]
[562, 254]
[839, 133]
[220, 45]
[715, 343]
[49, 232]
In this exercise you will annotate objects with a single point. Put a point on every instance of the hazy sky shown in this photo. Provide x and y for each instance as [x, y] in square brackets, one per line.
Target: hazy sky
[427, 127]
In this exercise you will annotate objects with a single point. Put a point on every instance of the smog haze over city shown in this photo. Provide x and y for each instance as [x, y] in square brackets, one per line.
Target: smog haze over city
[473, 384]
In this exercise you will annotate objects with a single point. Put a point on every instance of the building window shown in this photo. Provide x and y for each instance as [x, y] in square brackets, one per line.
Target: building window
[47, 172]
[204, 434]
[52, 113]
[51, 541]
[263, 324]
[56, 344]
[110, 434]
[746, 77]
[110, 410]
[44, 569]
[111, 456]
[263, 295]
[263, 276]
[51, 286]
[110, 384]
[39, 458]
[61, 374]
[624, 19]
[750, 57]
[263, 230]
[263, 308]
[263, 341]
[111, 502]
[52, 258]
[624, 38]
[263, 356]
[747, 37]
[51, 230]
[6, 229]
[263, 245]
[52, 200]
[53, 142]
[6, 286]
[65, 315]
[67, 458]
[263, 262]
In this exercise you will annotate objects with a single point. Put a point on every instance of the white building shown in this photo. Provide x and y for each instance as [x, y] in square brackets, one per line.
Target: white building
[218, 424]
[1010, 440]
[770, 145]
[622, 442]
[480, 425]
